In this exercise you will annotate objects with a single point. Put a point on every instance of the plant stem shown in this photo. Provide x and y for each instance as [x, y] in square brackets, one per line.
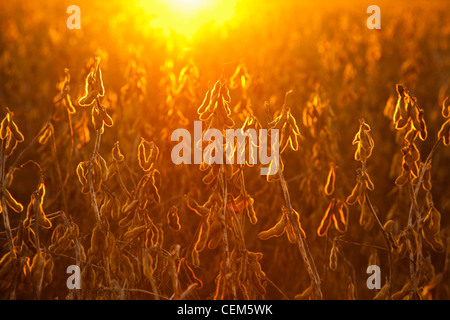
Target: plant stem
[91, 178]
[4, 208]
[225, 233]
[385, 235]
[302, 244]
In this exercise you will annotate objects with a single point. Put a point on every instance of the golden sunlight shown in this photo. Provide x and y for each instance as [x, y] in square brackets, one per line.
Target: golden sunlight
[186, 17]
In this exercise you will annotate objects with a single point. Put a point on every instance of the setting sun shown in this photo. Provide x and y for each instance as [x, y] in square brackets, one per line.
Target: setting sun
[186, 17]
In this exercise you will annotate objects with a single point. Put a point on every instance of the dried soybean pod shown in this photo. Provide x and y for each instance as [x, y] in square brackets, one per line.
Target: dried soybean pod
[115, 208]
[333, 257]
[97, 240]
[88, 277]
[220, 287]
[198, 209]
[368, 181]
[353, 197]
[306, 294]
[116, 153]
[384, 293]
[42, 219]
[296, 216]
[251, 211]
[195, 258]
[15, 131]
[215, 234]
[426, 182]
[11, 144]
[326, 220]
[81, 172]
[97, 118]
[403, 178]
[257, 283]
[135, 232]
[329, 186]
[351, 291]
[130, 206]
[202, 238]
[103, 167]
[30, 213]
[4, 127]
[402, 292]
[172, 218]
[147, 263]
[13, 203]
[48, 272]
[444, 133]
[290, 233]
[6, 264]
[106, 117]
[275, 231]
[446, 107]
[389, 225]
[43, 138]
[37, 267]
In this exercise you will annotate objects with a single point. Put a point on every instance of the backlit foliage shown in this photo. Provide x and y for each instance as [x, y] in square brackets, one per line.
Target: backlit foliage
[86, 176]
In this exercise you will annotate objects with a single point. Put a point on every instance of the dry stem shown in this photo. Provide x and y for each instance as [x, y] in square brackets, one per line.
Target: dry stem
[302, 244]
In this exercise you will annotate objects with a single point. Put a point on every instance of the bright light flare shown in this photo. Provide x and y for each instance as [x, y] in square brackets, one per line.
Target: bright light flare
[186, 17]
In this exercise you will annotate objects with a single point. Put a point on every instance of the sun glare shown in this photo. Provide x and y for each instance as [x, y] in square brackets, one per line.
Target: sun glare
[186, 17]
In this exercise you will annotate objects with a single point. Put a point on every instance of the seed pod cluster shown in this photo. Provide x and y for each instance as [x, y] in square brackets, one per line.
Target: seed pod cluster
[287, 126]
[147, 154]
[37, 208]
[10, 133]
[101, 118]
[337, 212]
[432, 228]
[426, 181]
[100, 173]
[411, 158]
[46, 134]
[37, 268]
[215, 107]
[147, 190]
[93, 86]
[25, 240]
[243, 203]
[257, 275]
[102, 243]
[317, 116]
[172, 218]
[363, 183]
[63, 238]
[283, 225]
[240, 78]
[364, 142]
[407, 111]
[444, 132]
[64, 93]
[7, 266]
[111, 208]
